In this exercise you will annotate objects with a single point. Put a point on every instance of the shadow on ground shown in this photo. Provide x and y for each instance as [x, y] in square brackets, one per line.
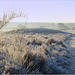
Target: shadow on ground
[39, 31]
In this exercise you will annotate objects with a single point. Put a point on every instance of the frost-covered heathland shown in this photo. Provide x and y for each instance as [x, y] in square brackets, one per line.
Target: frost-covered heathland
[34, 53]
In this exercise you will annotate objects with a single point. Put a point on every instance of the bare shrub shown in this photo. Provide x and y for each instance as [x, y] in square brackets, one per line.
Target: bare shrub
[7, 17]
[31, 63]
[54, 42]
[35, 42]
[50, 41]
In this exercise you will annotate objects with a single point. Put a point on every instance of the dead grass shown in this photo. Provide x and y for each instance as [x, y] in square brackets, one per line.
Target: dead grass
[30, 54]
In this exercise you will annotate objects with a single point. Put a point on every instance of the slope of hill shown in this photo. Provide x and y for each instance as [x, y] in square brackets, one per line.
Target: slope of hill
[56, 26]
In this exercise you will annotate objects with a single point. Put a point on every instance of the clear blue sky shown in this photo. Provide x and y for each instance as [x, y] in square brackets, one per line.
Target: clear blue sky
[42, 10]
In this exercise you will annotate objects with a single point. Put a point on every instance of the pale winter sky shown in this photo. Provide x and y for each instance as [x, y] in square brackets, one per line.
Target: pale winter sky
[42, 10]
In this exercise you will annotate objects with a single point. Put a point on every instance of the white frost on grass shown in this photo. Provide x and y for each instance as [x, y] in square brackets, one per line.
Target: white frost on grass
[34, 53]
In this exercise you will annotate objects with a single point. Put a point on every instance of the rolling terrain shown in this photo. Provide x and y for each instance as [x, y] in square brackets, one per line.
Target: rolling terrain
[38, 50]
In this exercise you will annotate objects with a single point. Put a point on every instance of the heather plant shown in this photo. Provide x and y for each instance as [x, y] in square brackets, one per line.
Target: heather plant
[30, 54]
